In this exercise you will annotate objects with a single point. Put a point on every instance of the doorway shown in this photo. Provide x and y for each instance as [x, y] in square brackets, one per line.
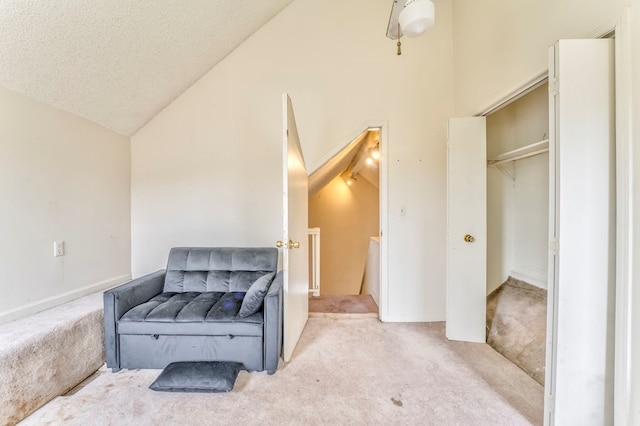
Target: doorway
[344, 214]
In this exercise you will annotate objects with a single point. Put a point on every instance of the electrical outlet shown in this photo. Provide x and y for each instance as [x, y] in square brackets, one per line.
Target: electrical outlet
[58, 248]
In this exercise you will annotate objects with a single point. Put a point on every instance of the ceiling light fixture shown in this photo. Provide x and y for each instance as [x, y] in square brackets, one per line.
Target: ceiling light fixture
[375, 153]
[417, 17]
[411, 18]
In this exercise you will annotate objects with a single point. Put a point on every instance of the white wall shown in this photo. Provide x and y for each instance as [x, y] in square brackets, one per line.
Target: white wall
[500, 194]
[518, 205]
[531, 220]
[206, 170]
[499, 45]
[61, 178]
[348, 216]
[518, 222]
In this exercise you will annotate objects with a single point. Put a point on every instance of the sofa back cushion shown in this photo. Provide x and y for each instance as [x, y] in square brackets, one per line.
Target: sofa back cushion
[217, 268]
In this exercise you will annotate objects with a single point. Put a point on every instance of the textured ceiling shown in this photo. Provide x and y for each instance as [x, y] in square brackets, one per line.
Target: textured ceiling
[119, 62]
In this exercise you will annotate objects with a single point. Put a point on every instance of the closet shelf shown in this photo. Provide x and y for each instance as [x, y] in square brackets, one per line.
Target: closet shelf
[520, 153]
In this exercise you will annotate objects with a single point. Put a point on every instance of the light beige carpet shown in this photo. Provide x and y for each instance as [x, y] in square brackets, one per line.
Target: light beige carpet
[344, 372]
[517, 324]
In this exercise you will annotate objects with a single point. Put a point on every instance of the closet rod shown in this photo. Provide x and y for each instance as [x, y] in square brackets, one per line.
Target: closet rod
[518, 157]
[520, 153]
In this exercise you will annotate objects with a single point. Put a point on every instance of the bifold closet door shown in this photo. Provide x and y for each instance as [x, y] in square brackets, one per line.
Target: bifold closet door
[581, 292]
[466, 229]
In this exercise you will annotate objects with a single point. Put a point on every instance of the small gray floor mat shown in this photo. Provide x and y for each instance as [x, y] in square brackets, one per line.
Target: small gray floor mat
[213, 376]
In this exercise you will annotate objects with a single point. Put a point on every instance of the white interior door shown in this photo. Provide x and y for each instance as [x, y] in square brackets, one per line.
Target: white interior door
[295, 258]
[581, 285]
[466, 229]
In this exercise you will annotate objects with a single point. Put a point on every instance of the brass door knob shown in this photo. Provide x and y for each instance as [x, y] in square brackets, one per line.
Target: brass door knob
[291, 244]
[469, 238]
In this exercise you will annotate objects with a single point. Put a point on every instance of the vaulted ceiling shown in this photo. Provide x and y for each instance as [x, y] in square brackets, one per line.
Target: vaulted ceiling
[119, 62]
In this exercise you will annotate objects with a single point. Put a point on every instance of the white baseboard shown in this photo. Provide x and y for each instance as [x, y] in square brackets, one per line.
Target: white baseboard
[528, 278]
[412, 318]
[50, 302]
[375, 298]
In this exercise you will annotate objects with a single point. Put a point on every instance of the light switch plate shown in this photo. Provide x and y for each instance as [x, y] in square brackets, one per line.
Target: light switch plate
[58, 248]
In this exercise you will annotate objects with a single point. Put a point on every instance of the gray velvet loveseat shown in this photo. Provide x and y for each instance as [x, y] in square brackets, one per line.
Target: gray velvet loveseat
[195, 310]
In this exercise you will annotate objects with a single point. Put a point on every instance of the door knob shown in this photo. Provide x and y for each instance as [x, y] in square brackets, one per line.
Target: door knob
[469, 238]
[291, 244]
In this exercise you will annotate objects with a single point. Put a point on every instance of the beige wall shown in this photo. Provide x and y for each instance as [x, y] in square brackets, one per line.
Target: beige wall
[61, 178]
[500, 45]
[348, 216]
[522, 122]
[518, 209]
[206, 170]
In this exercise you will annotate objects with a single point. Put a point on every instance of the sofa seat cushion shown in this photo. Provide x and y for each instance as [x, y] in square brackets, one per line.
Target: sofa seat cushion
[191, 313]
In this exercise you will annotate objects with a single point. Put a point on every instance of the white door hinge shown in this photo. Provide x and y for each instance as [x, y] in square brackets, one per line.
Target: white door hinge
[553, 246]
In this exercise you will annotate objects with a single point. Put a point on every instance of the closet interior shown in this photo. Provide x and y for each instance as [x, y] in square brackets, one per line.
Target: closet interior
[518, 229]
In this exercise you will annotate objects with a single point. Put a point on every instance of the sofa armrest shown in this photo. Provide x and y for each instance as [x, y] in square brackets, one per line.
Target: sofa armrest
[119, 300]
[273, 324]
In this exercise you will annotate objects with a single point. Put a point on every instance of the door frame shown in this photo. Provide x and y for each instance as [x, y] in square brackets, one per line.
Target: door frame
[620, 26]
[383, 207]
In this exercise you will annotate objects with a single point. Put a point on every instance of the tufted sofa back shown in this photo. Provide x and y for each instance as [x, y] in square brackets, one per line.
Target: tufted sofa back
[217, 268]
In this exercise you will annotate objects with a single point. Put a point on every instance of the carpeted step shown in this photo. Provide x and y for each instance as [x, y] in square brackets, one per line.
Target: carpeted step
[45, 355]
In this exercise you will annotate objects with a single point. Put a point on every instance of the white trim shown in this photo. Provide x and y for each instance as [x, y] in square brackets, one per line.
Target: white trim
[384, 200]
[529, 279]
[384, 221]
[624, 221]
[314, 288]
[414, 318]
[343, 144]
[512, 96]
[50, 302]
[606, 28]
[551, 343]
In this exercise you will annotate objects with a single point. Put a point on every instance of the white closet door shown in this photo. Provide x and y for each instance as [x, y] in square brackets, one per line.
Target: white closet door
[580, 329]
[466, 229]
